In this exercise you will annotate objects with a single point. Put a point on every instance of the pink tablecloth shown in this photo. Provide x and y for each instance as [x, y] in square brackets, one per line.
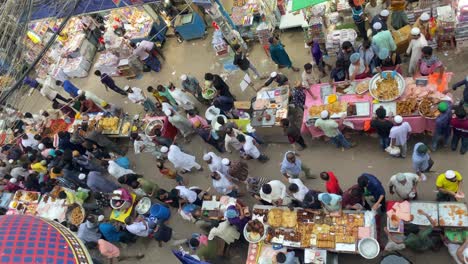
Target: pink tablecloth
[418, 124]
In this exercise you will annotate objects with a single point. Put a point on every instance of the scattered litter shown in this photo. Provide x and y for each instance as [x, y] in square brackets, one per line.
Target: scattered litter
[173, 73]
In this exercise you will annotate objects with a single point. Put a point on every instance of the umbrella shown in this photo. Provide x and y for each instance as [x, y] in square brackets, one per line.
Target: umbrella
[186, 258]
[300, 4]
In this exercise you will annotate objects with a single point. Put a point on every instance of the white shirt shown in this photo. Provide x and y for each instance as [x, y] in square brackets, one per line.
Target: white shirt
[232, 141]
[182, 98]
[371, 11]
[141, 53]
[30, 142]
[93, 97]
[222, 185]
[404, 190]
[355, 70]
[48, 92]
[215, 164]
[136, 96]
[146, 45]
[250, 148]
[144, 141]
[400, 133]
[138, 228]
[278, 191]
[187, 194]
[302, 189]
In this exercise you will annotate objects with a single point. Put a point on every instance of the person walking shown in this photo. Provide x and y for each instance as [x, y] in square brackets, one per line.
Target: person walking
[250, 149]
[381, 18]
[109, 83]
[404, 185]
[399, 17]
[418, 41]
[279, 55]
[331, 130]
[421, 159]
[291, 166]
[358, 17]
[180, 159]
[317, 56]
[180, 122]
[442, 127]
[374, 187]
[293, 133]
[241, 61]
[68, 87]
[460, 130]
[399, 135]
[383, 127]
[190, 84]
[331, 182]
[464, 82]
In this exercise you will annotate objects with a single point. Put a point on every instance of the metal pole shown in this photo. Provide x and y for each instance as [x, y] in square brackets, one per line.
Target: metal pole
[7, 93]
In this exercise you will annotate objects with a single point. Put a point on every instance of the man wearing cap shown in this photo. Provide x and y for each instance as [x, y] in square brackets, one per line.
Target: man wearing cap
[279, 55]
[383, 127]
[387, 61]
[291, 166]
[383, 38]
[213, 161]
[180, 160]
[223, 185]
[109, 83]
[460, 130]
[180, 122]
[442, 127]
[448, 184]
[423, 24]
[279, 78]
[358, 69]
[190, 84]
[330, 129]
[330, 202]
[421, 159]
[404, 185]
[399, 135]
[382, 19]
[418, 41]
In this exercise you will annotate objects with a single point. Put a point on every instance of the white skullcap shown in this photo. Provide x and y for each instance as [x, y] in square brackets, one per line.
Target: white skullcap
[100, 218]
[398, 119]
[377, 26]
[41, 146]
[225, 161]
[80, 92]
[167, 112]
[450, 174]
[324, 114]
[41, 111]
[424, 16]
[206, 157]
[183, 77]
[273, 74]
[13, 180]
[384, 13]
[164, 149]
[11, 161]
[415, 31]
[82, 176]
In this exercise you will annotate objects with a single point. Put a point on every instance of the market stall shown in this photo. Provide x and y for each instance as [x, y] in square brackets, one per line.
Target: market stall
[112, 126]
[255, 19]
[353, 99]
[312, 230]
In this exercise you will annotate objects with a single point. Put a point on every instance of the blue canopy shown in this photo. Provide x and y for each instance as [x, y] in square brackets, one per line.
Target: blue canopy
[60, 9]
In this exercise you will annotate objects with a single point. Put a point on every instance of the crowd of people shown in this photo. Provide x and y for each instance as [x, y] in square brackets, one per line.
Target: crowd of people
[91, 169]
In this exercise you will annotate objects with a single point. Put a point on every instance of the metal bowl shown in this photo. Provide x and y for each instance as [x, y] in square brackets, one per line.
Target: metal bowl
[250, 240]
[377, 77]
[368, 248]
[143, 206]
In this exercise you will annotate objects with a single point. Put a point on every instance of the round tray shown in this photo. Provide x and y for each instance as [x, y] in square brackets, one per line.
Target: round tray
[400, 80]
[151, 125]
[247, 237]
[368, 241]
[143, 206]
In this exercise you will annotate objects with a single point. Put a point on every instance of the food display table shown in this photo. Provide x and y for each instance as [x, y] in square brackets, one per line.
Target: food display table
[112, 126]
[270, 106]
[213, 207]
[301, 229]
[24, 202]
[419, 124]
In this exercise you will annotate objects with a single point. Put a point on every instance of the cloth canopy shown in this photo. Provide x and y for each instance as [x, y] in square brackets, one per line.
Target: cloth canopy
[300, 4]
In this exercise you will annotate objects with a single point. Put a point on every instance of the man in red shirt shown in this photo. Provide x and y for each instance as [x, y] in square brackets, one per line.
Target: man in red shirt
[460, 130]
[331, 183]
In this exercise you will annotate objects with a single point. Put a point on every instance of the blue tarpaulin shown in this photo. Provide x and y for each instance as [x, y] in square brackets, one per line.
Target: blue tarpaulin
[55, 8]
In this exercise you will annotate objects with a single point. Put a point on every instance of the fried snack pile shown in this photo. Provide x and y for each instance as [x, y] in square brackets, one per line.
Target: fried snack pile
[387, 89]
[428, 108]
[335, 108]
[362, 87]
[407, 107]
[275, 217]
[76, 216]
[109, 124]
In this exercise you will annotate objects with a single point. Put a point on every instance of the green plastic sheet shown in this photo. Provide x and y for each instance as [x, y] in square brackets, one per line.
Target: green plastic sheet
[300, 4]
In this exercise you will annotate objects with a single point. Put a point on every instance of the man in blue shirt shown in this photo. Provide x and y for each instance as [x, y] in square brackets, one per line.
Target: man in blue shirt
[375, 188]
[68, 87]
[442, 128]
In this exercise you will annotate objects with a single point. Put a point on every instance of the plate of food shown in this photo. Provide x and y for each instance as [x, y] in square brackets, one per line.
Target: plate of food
[428, 108]
[389, 89]
[407, 107]
[275, 217]
[255, 231]
[76, 214]
[453, 214]
[362, 87]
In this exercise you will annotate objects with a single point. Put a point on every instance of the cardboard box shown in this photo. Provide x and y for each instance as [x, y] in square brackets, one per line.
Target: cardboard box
[402, 38]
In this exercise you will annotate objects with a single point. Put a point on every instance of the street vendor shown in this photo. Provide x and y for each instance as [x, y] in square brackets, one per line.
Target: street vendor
[236, 216]
[122, 199]
[353, 198]
[375, 188]
[387, 61]
[418, 41]
[423, 24]
[429, 63]
[358, 69]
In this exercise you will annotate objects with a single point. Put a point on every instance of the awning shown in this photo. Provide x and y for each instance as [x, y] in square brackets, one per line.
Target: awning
[300, 4]
[59, 9]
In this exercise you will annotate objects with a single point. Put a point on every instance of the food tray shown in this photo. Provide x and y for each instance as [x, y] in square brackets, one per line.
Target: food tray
[359, 84]
[448, 215]
[428, 207]
[143, 206]
[427, 117]
[362, 109]
[377, 77]
[264, 122]
[247, 237]
[114, 132]
[69, 214]
[22, 196]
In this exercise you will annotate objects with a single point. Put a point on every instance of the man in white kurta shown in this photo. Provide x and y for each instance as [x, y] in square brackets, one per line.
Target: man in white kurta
[179, 159]
[180, 122]
[182, 98]
[274, 192]
[213, 161]
[418, 41]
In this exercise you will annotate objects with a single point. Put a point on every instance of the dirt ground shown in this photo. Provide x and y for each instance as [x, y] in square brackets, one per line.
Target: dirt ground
[197, 57]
